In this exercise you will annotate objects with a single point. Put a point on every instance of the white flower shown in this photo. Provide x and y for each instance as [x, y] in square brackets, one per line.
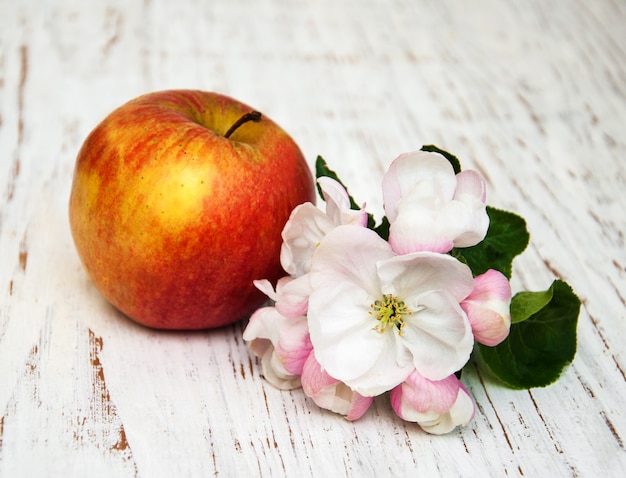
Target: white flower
[307, 225]
[374, 317]
[429, 207]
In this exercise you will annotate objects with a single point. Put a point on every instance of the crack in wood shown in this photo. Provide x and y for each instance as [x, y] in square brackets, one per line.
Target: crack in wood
[20, 92]
[213, 456]
[555, 443]
[596, 326]
[619, 367]
[618, 292]
[551, 268]
[613, 430]
[586, 387]
[102, 408]
[15, 170]
[23, 254]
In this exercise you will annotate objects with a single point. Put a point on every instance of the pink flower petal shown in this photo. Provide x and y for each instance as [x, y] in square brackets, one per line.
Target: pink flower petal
[470, 184]
[431, 209]
[331, 394]
[294, 346]
[292, 298]
[424, 396]
[281, 343]
[488, 308]
[461, 413]
[408, 170]
[418, 231]
[437, 406]
[338, 204]
[306, 227]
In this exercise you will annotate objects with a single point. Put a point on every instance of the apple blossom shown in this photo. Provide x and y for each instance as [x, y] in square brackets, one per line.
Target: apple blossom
[307, 225]
[488, 307]
[429, 207]
[374, 317]
[282, 344]
[436, 406]
[363, 311]
[331, 394]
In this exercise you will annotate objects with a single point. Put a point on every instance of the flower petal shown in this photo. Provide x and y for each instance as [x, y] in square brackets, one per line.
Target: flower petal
[275, 373]
[437, 406]
[470, 184]
[263, 326]
[338, 204]
[281, 343]
[292, 298]
[421, 395]
[488, 307]
[349, 255]
[266, 287]
[461, 413]
[438, 336]
[406, 173]
[306, 227]
[473, 221]
[411, 275]
[294, 345]
[331, 394]
[418, 230]
[387, 366]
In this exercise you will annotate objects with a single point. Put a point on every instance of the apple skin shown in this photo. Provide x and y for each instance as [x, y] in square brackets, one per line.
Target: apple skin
[172, 220]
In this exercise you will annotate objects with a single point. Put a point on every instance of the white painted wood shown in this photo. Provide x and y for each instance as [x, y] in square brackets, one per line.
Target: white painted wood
[533, 94]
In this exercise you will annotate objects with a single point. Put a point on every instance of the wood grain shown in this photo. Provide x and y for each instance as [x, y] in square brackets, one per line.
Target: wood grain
[532, 94]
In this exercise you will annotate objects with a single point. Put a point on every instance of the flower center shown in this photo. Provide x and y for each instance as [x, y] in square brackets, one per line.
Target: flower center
[390, 312]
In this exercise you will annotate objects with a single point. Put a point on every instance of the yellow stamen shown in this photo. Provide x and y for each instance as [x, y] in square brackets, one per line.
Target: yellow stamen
[390, 312]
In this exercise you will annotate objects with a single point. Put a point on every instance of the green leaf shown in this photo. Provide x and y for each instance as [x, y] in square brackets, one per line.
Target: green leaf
[540, 345]
[506, 238]
[454, 161]
[525, 304]
[322, 169]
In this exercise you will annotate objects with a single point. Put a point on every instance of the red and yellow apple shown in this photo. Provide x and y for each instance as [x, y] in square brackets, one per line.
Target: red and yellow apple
[177, 204]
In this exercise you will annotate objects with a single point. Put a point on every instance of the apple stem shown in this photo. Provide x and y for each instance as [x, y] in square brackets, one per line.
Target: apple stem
[251, 116]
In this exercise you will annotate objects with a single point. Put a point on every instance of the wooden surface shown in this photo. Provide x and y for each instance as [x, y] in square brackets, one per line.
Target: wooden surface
[531, 93]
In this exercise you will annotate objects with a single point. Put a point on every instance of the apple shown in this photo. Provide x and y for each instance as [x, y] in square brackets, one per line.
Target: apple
[177, 204]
